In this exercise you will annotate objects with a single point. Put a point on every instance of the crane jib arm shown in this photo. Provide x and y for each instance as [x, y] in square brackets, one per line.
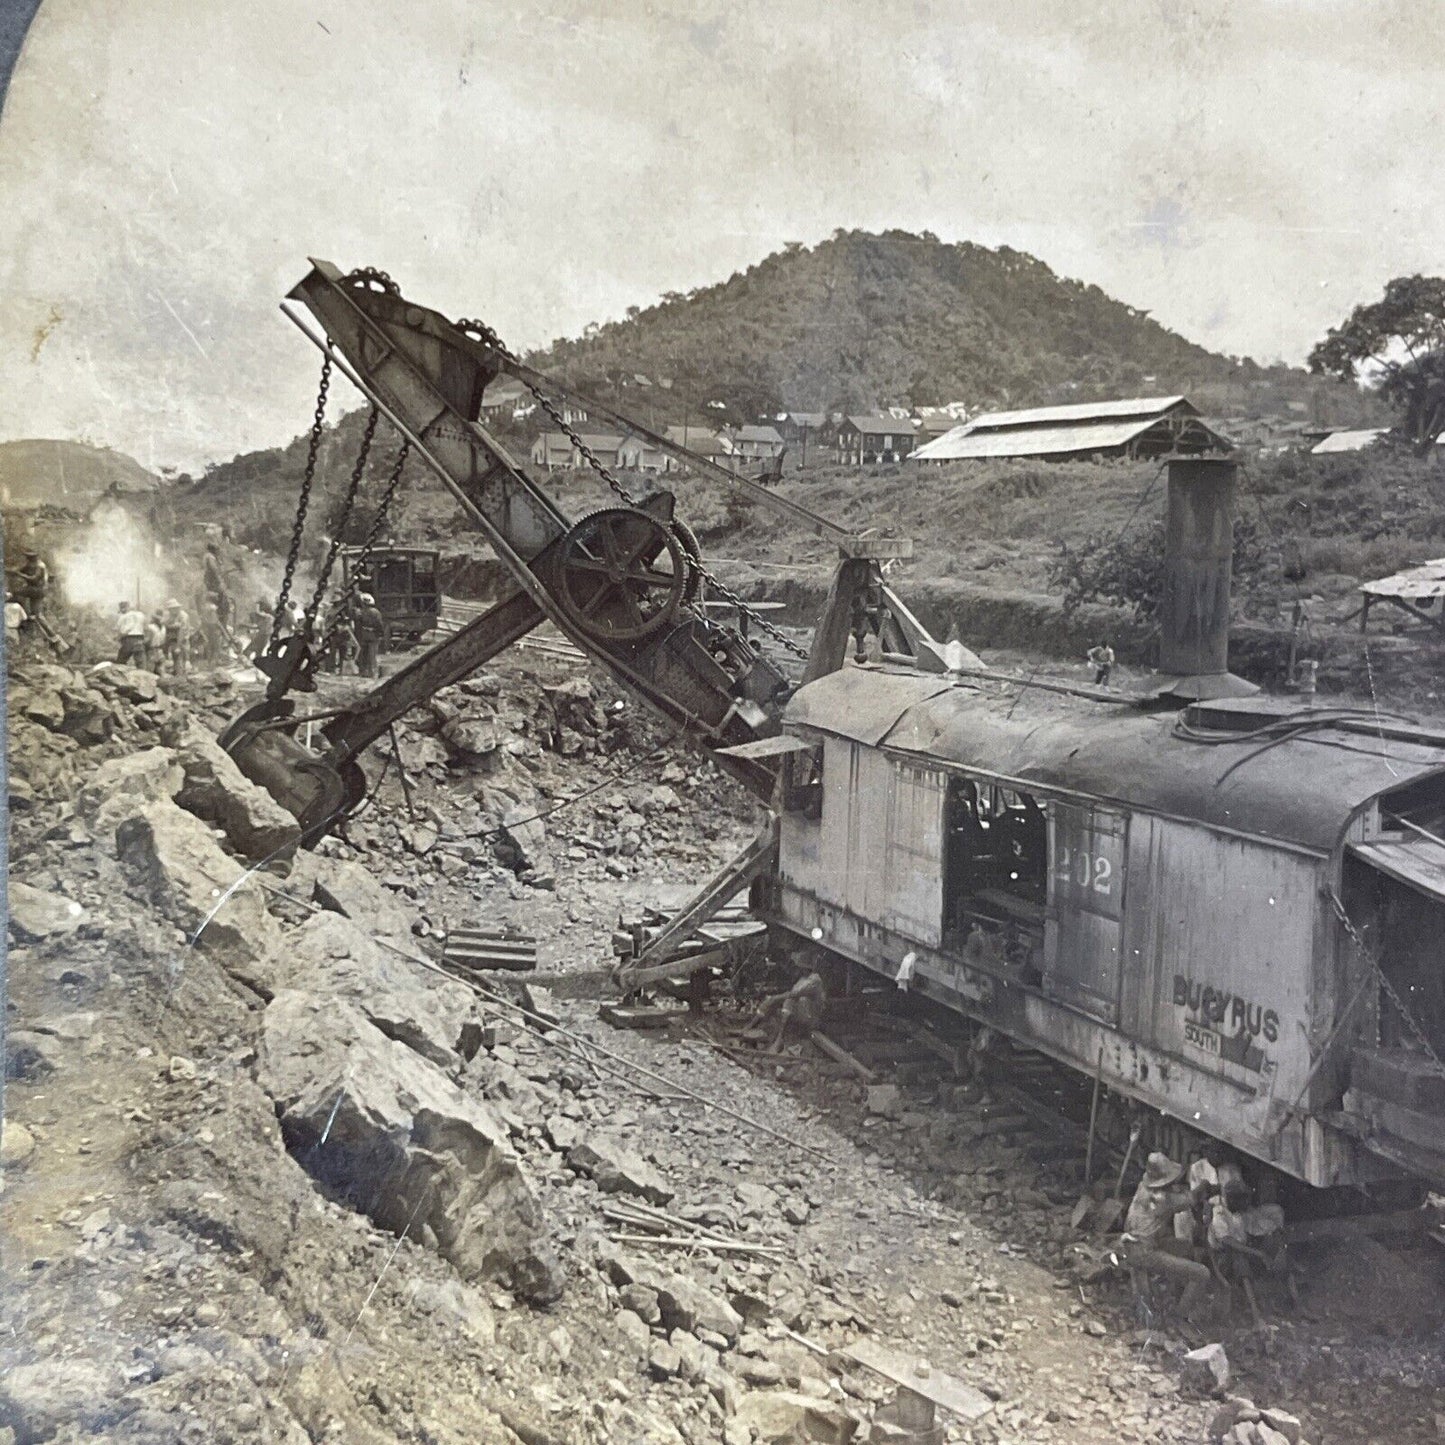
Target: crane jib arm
[621, 583]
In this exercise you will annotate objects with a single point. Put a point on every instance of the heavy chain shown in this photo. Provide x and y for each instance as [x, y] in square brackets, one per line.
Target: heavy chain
[353, 485]
[1389, 988]
[303, 501]
[759, 621]
[489, 337]
[353, 581]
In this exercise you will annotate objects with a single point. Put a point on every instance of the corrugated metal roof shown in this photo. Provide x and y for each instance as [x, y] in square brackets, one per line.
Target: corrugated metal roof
[1119, 755]
[1082, 411]
[1348, 441]
[964, 442]
[1414, 583]
[759, 434]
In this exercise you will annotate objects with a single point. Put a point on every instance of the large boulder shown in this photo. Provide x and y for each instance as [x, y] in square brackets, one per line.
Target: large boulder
[352, 890]
[215, 789]
[38, 1401]
[113, 791]
[36, 914]
[527, 834]
[171, 857]
[134, 684]
[781, 1417]
[39, 704]
[615, 1169]
[331, 957]
[684, 1304]
[370, 1117]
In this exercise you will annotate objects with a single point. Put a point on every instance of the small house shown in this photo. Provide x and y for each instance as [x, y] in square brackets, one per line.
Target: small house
[864, 440]
[758, 443]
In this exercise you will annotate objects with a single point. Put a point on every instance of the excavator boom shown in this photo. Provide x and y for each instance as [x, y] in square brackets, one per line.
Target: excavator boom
[621, 583]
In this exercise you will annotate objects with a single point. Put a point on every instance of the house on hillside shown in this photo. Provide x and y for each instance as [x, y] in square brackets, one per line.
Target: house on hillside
[716, 446]
[637, 454]
[757, 443]
[795, 425]
[863, 440]
[554, 450]
[503, 396]
[1348, 441]
[1149, 426]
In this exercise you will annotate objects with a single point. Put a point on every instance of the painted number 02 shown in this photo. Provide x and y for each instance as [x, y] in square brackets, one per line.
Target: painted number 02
[1086, 870]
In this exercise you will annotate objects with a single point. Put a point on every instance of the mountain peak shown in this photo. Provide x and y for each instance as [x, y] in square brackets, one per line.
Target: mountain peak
[864, 320]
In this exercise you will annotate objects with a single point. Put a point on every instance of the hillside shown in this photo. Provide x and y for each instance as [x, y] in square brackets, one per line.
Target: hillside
[863, 320]
[66, 474]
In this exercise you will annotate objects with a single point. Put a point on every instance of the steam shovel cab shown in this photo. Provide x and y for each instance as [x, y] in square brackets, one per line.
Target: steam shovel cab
[1177, 890]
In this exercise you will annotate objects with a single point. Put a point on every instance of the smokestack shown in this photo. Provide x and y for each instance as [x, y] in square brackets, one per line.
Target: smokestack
[1198, 565]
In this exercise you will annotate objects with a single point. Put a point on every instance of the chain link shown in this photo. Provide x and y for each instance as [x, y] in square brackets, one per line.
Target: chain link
[489, 337]
[1389, 988]
[353, 581]
[353, 485]
[303, 501]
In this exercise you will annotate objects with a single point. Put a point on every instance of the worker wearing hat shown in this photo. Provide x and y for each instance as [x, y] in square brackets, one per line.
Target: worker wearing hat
[177, 643]
[1149, 1245]
[370, 628]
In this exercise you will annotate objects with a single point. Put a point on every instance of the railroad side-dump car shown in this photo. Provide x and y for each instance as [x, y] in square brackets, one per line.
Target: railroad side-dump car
[1094, 880]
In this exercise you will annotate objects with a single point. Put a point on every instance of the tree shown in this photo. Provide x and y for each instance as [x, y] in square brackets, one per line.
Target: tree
[1401, 341]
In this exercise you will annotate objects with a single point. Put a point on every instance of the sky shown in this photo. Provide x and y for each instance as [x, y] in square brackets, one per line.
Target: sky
[1246, 170]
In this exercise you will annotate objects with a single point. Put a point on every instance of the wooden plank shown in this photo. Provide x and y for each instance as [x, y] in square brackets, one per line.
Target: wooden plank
[840, 1055]
[621, 1017]
[948, 1392]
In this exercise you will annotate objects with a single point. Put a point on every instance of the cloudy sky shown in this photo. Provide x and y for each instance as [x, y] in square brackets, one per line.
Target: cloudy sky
[1245, 169]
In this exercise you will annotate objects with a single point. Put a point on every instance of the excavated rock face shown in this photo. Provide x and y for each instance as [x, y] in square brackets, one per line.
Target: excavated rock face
[172, 857]
[330, 957]
[372, 1119]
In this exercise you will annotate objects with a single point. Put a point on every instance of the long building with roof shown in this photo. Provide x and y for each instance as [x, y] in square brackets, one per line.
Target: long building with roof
[1147, 426]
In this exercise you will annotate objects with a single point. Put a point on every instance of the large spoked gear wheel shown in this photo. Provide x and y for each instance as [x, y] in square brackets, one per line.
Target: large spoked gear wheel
[622, 574]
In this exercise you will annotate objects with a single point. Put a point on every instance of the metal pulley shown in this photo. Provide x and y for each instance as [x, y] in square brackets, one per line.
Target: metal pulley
[623, 574]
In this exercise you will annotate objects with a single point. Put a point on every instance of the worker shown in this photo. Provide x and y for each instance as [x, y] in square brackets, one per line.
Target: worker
[154, 651]
[32, 582]
[799, 1010]
[370, 628]
[130, 631]
[213, 582]
[15, 619]
[178, 638]
[1232, 1255]
[293, 621]
[1149, 1245]
[1101, 657]
[261, 620]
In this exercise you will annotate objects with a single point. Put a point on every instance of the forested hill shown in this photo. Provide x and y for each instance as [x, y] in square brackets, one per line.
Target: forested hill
[865, 320]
